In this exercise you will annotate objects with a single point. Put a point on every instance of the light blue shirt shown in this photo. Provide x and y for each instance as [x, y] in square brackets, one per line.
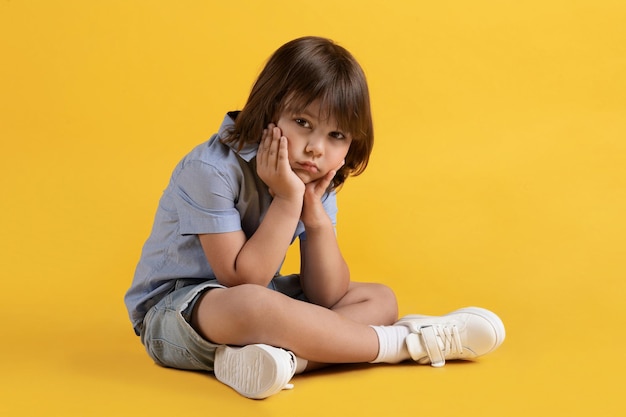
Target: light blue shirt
[214, 189]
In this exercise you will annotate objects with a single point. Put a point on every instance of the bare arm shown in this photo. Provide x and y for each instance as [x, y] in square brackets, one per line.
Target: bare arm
[237, 260]
[325, 276]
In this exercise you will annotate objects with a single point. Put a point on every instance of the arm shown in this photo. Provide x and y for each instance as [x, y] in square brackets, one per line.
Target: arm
[237, 260]
[324, 274]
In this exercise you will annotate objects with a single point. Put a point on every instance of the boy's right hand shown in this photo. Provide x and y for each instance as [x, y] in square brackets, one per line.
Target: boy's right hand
[273, 167]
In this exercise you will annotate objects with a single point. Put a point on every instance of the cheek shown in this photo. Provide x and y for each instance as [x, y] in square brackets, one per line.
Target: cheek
[284, 126]
[340, 154]
[293, 143]
[290, 150]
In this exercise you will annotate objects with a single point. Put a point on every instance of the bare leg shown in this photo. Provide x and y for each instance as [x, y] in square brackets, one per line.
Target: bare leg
[249, 314]
[371, 304]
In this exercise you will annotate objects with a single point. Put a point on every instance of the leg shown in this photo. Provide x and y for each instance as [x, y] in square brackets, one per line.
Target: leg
[249, 314]
[261, 318]
[365, 303]
[368, 303]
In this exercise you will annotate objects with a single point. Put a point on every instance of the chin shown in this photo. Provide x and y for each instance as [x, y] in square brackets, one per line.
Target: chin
[305, 177]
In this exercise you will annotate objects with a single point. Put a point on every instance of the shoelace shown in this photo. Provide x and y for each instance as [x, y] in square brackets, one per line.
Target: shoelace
[452, 340]
[439, 341]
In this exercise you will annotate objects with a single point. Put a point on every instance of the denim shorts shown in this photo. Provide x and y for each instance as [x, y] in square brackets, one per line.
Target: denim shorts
[168, 336]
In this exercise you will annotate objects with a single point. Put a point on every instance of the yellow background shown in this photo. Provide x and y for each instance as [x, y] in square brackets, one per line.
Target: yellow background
[498, 179]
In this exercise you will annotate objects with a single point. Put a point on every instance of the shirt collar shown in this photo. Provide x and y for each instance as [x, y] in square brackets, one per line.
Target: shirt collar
[249, 150]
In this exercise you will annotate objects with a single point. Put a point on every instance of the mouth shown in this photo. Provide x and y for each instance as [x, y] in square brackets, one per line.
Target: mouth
[307, 166]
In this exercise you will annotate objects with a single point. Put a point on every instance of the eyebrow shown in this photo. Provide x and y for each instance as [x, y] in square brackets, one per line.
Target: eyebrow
[305, 111]
[310, 115]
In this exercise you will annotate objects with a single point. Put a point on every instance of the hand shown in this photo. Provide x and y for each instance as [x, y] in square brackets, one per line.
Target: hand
[313, 213]
[273, 166]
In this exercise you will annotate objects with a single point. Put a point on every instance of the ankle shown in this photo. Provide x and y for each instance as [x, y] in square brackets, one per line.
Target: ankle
[391, 344]
[301, 365]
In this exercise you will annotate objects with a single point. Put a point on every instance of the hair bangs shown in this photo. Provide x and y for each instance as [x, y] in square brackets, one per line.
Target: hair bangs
[346, 104]
[302, 72]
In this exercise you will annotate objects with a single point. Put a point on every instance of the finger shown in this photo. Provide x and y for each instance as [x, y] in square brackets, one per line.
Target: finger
[274, 148]
[283, 154]
[327, 180]
[261, 151]
[269, 133]
[320, 186]
[266, 143]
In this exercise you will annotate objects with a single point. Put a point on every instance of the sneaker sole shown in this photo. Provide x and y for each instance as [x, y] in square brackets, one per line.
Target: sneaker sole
[253, 371]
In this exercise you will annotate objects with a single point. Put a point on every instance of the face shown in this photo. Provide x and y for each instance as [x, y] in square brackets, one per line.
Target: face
[316, 144]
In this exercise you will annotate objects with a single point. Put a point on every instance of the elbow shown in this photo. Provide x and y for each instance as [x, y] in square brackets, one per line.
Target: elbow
[240, 277]
[328, 295]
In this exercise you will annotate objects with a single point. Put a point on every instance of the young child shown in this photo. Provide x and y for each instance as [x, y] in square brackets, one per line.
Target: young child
[207, 294]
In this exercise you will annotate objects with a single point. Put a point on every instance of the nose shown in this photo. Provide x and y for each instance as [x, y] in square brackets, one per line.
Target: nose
[315, 145]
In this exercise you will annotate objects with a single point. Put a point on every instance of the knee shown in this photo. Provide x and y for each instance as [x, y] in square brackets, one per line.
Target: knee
[380, 299]
[250, 300]
[236, 315]
[252, 308]
[387, 301]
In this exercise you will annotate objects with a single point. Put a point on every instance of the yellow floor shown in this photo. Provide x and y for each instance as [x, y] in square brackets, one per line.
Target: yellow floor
[498, 179]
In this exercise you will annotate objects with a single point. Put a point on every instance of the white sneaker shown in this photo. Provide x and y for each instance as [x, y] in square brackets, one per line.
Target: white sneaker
[255, 371]
[463, 334]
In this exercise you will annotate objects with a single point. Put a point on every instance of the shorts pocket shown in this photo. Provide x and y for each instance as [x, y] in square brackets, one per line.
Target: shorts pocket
[172, 356]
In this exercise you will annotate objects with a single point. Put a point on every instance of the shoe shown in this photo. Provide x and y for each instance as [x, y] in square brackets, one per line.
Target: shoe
[463, 334]
[255, 371]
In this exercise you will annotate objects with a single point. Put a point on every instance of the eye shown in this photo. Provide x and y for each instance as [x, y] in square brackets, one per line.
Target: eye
[337, 135]
[302, 122]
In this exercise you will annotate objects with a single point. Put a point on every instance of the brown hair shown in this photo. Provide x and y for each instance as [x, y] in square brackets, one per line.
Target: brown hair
[300, 72]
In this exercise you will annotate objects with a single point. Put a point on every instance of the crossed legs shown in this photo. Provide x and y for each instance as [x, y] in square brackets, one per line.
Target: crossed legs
[249, 314]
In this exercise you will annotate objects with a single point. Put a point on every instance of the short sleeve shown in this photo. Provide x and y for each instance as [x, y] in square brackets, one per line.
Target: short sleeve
[205, 200]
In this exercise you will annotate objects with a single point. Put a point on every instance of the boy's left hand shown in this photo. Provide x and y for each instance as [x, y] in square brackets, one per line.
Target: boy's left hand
[313, 213]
